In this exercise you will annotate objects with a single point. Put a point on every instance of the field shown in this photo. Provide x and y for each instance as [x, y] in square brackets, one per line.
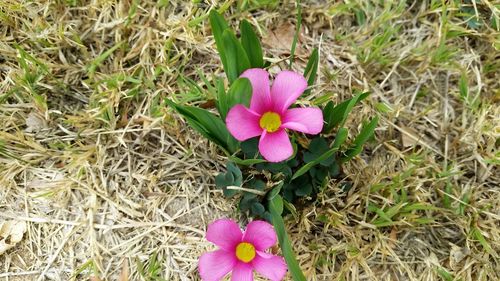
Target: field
[109, 183]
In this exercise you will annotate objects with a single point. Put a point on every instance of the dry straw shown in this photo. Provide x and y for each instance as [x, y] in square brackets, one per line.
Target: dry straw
[109, 181]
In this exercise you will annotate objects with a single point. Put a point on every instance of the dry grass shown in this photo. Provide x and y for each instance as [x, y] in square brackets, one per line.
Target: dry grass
[105, 176]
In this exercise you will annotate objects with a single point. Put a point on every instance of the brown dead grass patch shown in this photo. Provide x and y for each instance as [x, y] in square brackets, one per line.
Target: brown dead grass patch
[102, 173]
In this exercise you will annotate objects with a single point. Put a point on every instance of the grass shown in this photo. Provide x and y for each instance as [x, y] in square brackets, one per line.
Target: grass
[112, 183]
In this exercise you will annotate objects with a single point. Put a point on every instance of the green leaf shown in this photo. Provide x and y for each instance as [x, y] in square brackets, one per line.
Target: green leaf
[311, 69]
[318, 175]
[246, 162]
[207, 124]
[275, 168]
[339, 139]
[337, 115]
[334, 170]
[233, 168]
[250, 147]
[286, 247]
[222, 181]
[236, 57]
[317, 147]
[365, 134]
[240, 92]
[221, 101]
[246, 202]
[383, 107]
[360, 16]
[304, 190]
[291, 208]
[257, 209]
[218, 25]
[251, 44]
[277, 201]
[232, 177]
[352, 102]
[211, 89]
[275, 191]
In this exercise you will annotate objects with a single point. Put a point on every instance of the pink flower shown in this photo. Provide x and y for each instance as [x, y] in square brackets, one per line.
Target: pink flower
[240, 252]
[269, 116]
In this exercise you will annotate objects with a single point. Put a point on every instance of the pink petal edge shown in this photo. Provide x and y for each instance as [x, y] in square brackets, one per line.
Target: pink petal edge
[213, 266]
[306, 120]
[243, 123]
[261, 234]
[275, 147]
[261, 90]
[270, 266]
[242, 272]
[287, 87]
[224, 233]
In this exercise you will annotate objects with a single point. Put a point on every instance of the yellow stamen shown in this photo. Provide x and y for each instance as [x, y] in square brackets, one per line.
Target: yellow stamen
[245, 252]
[270, 122]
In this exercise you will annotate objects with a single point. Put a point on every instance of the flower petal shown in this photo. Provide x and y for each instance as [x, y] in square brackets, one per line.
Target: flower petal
[305, 120]
[270, 266]
[224, 233]
[287, 87]
[260, 234]
[275, 147]
[242, 272]
[213, 266]
[261, 97]
[243, 123]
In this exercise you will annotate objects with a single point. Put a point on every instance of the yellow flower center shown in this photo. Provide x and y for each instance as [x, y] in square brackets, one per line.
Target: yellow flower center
[245, 252]
[270, 122]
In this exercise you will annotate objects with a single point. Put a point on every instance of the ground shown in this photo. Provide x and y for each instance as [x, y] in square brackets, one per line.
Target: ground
[109, 183]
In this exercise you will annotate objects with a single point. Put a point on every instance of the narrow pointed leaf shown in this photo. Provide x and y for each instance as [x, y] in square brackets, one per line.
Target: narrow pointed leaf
[284, 241]
[218, 25]
[207, 124]
[311, 69]
[339, 140]
[221, 102]
[337, 115]
[365, 134]
[236, 57]
[251, 44]
[246, 162]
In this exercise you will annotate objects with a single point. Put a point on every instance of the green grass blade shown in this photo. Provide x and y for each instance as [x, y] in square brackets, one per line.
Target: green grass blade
[379, 212]
[297, 32]
[365, 134]
[445, 274]
[335, 116]
[311, 69]
[284, 241]
[339, 140]
[477, 235]
[101, 58]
